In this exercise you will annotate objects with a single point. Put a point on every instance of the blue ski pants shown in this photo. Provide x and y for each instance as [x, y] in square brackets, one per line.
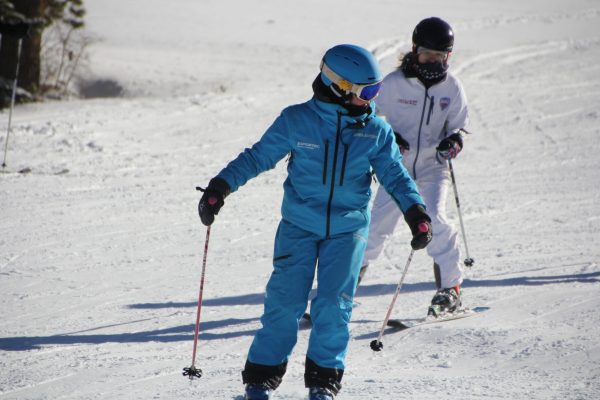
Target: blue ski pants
[298, 254]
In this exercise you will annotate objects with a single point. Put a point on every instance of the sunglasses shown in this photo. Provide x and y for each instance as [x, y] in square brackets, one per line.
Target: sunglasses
[364, 92]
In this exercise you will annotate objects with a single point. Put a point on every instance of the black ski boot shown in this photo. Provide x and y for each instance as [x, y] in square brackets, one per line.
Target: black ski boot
[257, 391]
[445, 301]
[319, 393]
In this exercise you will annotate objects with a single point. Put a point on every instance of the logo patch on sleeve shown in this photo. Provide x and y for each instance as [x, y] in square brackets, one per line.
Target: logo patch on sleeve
[444, 102]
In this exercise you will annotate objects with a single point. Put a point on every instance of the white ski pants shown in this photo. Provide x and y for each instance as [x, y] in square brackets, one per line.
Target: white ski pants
[444, 247]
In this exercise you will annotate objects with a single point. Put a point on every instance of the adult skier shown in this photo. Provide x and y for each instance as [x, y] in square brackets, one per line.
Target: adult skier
[427, 108]
[334, 140]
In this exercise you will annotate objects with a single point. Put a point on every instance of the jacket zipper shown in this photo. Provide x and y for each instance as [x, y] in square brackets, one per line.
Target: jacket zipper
[431, 102]
[325, 163]
[419, 135]
[335, 154]
[344, 164]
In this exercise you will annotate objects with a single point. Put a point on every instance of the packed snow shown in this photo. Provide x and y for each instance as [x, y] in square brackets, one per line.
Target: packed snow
[101, 245]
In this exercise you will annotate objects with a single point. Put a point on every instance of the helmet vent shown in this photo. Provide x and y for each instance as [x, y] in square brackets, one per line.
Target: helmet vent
[352, 61]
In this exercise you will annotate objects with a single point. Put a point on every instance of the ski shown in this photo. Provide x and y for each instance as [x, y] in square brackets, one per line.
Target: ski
[461, 313]
[29, 171]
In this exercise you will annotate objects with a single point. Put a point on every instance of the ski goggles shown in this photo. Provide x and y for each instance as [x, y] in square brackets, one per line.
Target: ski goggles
[364, 92]
[436, 55]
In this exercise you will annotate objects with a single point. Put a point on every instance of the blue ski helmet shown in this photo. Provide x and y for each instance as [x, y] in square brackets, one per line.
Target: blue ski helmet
[352, 69]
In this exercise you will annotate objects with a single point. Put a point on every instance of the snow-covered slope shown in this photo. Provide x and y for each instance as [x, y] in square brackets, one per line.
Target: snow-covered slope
[101, 246]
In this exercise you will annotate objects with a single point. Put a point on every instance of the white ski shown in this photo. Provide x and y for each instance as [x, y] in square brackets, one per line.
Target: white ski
[461, 313]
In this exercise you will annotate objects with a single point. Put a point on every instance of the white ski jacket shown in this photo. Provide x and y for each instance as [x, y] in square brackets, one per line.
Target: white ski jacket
[423, 117]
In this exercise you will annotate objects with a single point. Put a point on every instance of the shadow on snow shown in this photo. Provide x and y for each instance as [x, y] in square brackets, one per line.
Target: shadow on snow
[185, 332]
[174, 334]
[383, 289]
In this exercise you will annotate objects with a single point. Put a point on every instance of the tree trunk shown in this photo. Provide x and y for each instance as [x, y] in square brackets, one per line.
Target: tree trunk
[29, 69]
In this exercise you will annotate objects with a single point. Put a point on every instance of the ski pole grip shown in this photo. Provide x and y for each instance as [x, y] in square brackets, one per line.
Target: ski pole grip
[423, 227]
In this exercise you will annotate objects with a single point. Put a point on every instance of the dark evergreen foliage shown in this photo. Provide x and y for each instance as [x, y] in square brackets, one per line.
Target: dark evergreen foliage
[38, 15]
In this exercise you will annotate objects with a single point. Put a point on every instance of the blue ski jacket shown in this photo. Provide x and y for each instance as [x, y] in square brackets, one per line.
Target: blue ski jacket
[327, 190]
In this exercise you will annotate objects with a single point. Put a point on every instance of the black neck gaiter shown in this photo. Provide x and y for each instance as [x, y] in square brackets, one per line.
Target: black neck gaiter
[326, 94]
[429, 73]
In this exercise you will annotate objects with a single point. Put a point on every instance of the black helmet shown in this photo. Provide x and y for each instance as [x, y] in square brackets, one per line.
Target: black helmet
[433, 33]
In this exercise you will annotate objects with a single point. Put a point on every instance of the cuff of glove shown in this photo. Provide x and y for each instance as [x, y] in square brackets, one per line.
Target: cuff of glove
[401, 141]
[219, 185]
[457, 138]
[416, 214]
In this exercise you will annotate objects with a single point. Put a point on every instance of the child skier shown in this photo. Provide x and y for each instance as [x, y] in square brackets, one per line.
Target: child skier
[427, 108]
[334, 140]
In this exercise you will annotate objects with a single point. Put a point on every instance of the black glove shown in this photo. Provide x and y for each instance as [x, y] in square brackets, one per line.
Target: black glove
[420, 226]
[450, 146]
[403, 144]
[212, 200]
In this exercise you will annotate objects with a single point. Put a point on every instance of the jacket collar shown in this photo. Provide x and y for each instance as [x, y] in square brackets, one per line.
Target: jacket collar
[329, 105]
[330, 111]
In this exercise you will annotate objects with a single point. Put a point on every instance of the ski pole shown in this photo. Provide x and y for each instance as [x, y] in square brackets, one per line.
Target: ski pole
[12, 101]
[377, 345]
[468, 261]
[193, 371]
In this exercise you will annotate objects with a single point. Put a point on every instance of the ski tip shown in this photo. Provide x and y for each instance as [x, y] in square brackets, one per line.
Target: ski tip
[305, 322]
[397, 324]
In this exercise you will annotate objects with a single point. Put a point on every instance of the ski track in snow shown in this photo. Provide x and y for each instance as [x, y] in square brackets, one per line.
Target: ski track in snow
[101, 248]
